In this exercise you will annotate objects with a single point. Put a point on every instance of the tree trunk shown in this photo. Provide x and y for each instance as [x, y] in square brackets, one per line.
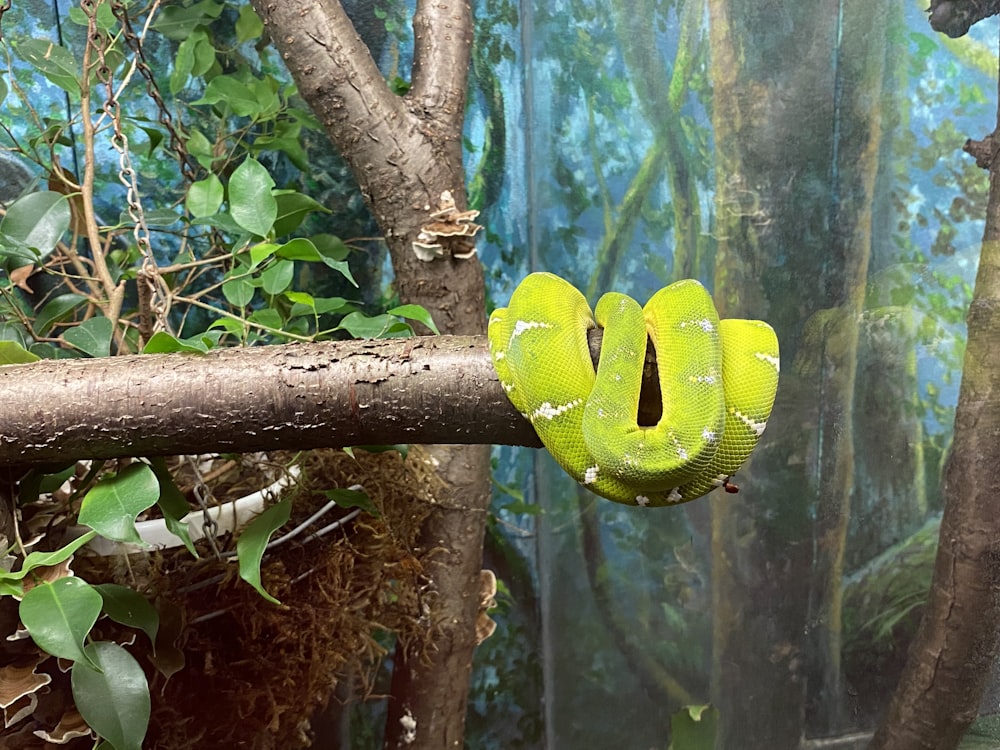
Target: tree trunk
[797, 155]
[954, 650]
[406, 153]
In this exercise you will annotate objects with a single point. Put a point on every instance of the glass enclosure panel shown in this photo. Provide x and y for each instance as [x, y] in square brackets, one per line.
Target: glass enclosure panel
[803, 160]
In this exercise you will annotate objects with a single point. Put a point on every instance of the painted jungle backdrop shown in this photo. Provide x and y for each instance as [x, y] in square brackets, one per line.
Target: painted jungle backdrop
[803, 160]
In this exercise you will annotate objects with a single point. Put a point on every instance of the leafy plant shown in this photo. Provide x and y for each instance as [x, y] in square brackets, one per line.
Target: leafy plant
[235, 249]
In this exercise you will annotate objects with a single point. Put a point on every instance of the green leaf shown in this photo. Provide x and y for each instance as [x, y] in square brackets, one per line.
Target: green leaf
[298, 249]
[231, 326]
[105, 17]
[177, 23]
[306, 304]
[161, 218]
[331, 246]
[60, 614]
[267, 316]
[265, 90]
[248, 25]
[38, 220]
[352, 499]
[234, 94]
[113, 699]
[12, 353]
[111, 507]
[694, 728]
[341, 267]
[172, 504]
[183, 65]
[415, 312]
[10, 582]
[52, 61]
[278, 277]
[253, 541]
[92, 336]
[40, 559]
[198, 145]
[57, 310]
[250, 201]
[204, 197]
[238, 292]
[360, 326]
[162, 342]
[293, 207]
[261, 252]
[3, 90]
[128, 607]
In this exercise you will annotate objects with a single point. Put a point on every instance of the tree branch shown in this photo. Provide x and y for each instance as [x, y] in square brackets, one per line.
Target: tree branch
[406, 155]
[441, 63]
[434, 389]
[956, 17]
[954, 650]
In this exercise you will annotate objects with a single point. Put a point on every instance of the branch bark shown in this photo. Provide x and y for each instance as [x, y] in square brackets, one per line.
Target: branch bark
[434, 389]
[438, 389]
[953, 653]
[956, 17]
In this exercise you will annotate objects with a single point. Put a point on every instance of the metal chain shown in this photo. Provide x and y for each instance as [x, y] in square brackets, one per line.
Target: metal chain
[166, 119]
[156, 293]
[203, 494]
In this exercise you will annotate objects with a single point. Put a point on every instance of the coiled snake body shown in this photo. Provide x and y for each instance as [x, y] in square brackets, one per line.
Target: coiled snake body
[717, 382]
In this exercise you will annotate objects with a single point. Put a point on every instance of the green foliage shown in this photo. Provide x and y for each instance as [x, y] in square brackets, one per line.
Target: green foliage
[36, 222]
[11, 582]
[253, 541]
[112, 506]
[694, 728]
[112, 695]
[126, 606]
[225, 198]
[59, 615]
[347, 498]
[109, 687]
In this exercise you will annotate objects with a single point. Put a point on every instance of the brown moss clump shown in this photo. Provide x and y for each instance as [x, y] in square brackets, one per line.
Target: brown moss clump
[254, 672]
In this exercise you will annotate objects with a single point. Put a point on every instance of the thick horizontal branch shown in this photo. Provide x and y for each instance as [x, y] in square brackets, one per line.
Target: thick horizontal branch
[440, 389]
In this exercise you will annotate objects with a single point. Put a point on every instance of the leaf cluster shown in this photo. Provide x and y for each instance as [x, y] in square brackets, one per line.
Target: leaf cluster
[167, 208]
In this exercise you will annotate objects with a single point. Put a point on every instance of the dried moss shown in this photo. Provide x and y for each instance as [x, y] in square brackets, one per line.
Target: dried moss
[255, 672]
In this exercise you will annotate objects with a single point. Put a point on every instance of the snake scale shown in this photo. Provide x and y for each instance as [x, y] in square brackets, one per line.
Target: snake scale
[718, 380]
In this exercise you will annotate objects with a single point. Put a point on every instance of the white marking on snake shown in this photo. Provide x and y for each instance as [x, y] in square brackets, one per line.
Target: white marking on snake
[704, 324]
[682, 454]
[755, 425]
[526, 325]
[641, 500]
[590, 475]
[674, 496]
[498, 355]
[708, 435]
[707, 379]
[769, 358]
[548, 411]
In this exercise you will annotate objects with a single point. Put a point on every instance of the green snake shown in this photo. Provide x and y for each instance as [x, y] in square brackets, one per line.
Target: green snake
[717, 382]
